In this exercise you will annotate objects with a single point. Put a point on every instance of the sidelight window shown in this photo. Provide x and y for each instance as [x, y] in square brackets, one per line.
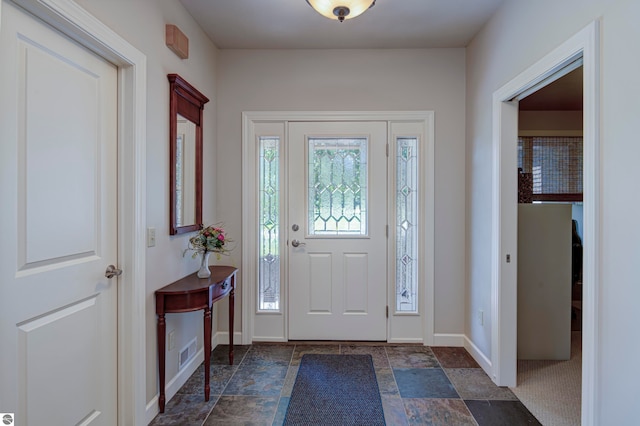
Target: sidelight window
[406, 224]
[269, 226]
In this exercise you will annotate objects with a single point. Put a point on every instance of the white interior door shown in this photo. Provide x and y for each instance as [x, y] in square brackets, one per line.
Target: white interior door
[337, 192]
[58, 227]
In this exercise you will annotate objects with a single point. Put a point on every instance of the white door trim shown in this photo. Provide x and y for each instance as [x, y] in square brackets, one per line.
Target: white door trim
[250, 203]
[504, 203]
[74, 21]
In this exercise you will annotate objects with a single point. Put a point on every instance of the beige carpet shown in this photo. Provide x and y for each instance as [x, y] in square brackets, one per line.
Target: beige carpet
[551, 390]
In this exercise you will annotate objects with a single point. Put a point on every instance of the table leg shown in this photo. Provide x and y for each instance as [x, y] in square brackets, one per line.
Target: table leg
[162, 326]
[207, 351]
[231, 315]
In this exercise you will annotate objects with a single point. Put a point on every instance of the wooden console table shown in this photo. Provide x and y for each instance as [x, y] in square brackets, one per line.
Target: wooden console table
[192, 294]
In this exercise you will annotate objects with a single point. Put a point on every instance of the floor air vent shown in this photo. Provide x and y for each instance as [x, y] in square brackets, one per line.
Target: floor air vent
[187, 353]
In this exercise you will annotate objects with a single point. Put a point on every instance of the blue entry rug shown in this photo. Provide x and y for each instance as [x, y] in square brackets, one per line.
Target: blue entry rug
[335, 390]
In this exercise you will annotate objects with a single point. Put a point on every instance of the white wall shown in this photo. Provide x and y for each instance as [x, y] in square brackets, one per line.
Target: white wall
[518, 35]
[550, 123]
[142, 23]
[343, 80]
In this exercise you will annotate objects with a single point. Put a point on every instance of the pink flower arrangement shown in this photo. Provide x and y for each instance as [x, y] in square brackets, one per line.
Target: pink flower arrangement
[209, 239]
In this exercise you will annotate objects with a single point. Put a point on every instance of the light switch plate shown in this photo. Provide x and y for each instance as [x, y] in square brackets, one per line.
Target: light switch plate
[151, 237]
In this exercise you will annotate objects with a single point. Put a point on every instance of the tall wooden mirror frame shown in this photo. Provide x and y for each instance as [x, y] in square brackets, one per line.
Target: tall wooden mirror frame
[186, 101]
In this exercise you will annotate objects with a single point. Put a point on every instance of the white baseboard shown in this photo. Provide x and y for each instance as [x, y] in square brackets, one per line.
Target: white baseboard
[152, 410]
[222, 338]
[174, 385]
[270, 339]
[456, 340]
[406, 340]
[479, 356]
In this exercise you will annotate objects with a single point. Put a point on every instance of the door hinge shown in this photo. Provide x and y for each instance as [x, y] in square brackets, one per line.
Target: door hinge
[386, 231]
[387, 311]
[387, 150]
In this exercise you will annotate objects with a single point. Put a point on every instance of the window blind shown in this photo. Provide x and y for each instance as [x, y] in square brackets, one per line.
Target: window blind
[555, 164]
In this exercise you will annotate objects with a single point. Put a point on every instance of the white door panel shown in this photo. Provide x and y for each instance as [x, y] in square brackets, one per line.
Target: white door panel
[337, 279]
[58, 221]
[62, 101]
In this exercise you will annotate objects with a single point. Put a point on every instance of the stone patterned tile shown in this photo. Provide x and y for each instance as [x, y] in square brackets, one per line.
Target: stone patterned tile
[501, 413]
[257, 380]
[454, 357]
[394, 412]
[411, 357]
[386, 382]
[269, 354]
[424, 383]
[195, 384]
[185, 410]
[289, 381]
[378, 353]
[281, 412]
[220, 355]
[301, 350]
[438, 412]
[219, 376]
[415, 390]
[243, 410]
[473, 383]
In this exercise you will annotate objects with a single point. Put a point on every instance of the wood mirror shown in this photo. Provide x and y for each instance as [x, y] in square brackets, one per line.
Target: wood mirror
[185, 148]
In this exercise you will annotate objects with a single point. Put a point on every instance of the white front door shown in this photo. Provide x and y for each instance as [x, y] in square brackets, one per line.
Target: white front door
[58, 227]
[337, 192]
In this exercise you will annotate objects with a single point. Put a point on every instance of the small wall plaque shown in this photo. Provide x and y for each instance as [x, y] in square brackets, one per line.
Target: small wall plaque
[177, 41]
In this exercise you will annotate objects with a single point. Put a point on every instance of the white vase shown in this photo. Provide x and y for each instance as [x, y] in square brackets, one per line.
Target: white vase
[204, 271]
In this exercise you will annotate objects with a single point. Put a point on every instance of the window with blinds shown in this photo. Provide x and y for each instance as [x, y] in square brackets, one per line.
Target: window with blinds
[555, 164]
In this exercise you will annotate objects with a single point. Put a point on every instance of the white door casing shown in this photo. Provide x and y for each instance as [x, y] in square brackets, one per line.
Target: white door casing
[59, 227]
[337, 282]
[259, 324]
[502, 367]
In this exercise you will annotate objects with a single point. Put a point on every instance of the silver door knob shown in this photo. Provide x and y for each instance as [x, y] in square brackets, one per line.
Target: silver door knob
[112, 271]
[296, 243]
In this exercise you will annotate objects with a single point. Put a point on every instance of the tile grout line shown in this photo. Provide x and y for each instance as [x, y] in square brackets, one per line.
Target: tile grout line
[393, 374]
[444, 370]
[275, 414]
[227, 384]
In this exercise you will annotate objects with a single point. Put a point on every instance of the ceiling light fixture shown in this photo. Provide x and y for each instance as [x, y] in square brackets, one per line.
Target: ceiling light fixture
[341, 9]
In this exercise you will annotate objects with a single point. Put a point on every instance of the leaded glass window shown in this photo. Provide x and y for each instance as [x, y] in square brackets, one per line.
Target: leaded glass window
[406, 224]
[269, 232]
[337, 186]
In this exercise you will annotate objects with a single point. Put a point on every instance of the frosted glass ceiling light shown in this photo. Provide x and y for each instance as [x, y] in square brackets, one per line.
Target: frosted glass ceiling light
[341, 9]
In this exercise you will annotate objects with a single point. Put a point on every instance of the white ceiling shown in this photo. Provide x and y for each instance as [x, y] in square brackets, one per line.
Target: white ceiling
[390, 24]
[293, 24]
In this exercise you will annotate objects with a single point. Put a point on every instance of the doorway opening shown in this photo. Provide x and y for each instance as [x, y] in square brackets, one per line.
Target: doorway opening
[550, 233]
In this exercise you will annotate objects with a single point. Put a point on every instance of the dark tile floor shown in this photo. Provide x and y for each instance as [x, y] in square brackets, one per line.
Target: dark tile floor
[418, 386]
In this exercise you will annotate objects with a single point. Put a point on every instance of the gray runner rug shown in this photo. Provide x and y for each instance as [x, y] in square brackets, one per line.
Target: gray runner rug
[335, 390]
